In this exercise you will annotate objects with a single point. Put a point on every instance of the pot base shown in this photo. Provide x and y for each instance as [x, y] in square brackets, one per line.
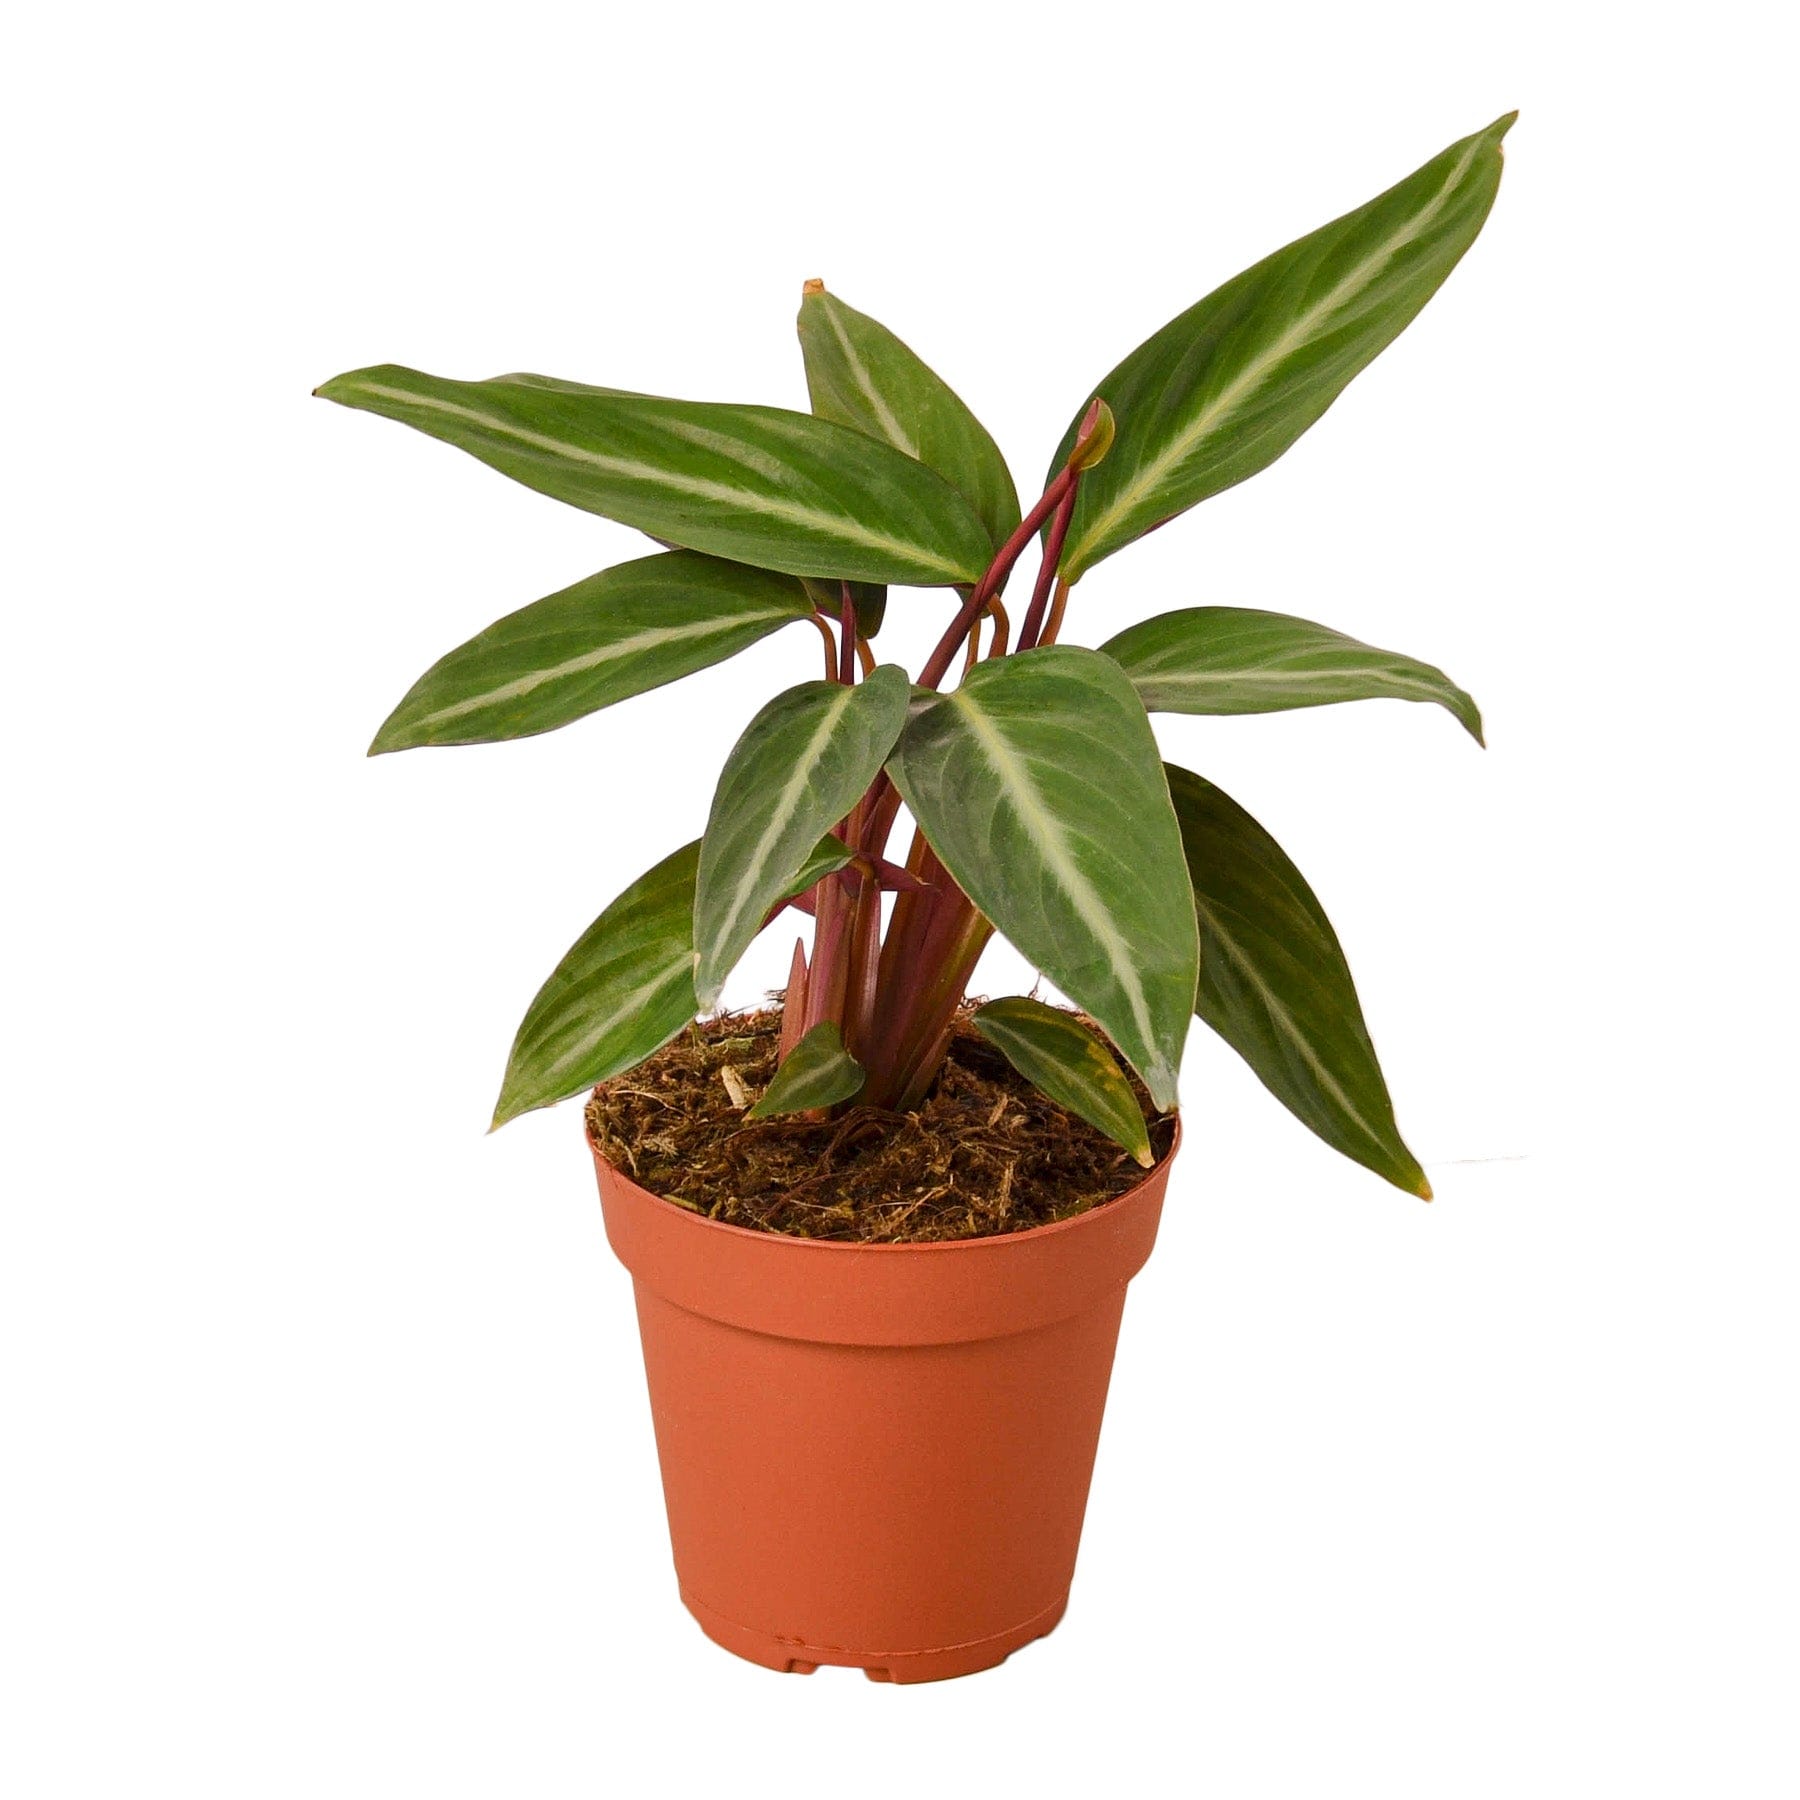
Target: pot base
[790, 1656]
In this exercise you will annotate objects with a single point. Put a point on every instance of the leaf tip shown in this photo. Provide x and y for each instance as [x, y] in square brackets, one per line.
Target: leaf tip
[810, 286]
[1423, 1190]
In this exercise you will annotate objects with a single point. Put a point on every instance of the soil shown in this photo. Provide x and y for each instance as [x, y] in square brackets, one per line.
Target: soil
[986, 1153]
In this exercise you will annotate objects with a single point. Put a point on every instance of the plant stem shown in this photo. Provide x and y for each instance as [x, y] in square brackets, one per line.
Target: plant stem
[846, 671]
[938, 665]
[1058, 607]
[1040, 594]
[831, 648]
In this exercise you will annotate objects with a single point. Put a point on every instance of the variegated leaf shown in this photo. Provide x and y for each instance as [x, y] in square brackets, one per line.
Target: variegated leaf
[1053, 1050]
[1232, 659]
[1221, 391]
[858, 373]
[1039, 785]
[623, 990]
[818, 1071]
[758, 484]
[1275, 986]
[800, 766]
[618, 633]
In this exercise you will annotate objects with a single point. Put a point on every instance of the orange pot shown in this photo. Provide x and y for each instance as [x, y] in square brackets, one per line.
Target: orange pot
[877, 1455]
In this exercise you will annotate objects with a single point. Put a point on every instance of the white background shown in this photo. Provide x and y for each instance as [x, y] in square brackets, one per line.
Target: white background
[327, 1464]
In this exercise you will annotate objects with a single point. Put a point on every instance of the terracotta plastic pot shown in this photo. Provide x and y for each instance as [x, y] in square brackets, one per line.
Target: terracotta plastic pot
[877, 1455]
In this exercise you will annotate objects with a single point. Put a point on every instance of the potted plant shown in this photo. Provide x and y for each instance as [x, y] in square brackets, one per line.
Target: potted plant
[877, 1362]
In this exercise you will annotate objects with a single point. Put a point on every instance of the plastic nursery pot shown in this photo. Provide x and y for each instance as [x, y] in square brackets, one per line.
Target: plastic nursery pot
[877, 1455]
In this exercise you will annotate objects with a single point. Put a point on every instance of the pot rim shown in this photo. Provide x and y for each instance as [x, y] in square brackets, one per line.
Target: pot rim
[1033, 1234]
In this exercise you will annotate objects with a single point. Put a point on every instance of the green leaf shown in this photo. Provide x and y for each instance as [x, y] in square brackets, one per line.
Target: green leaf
[859, 374]
[1275, 986]
[818, 1071]
[801, 765]
[1222, 390]
[826, 857]
[623, 990]
[616, 634]
[1232, 659]
[757, 484]
[1053, 1049]
[1039, 785]
[868, 597]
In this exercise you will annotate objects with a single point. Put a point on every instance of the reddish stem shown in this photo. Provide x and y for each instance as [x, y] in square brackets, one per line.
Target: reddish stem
[846, 636]
[1040, 595]
[1009, 553]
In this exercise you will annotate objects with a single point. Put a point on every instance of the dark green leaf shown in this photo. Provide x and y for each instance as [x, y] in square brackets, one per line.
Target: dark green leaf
[619, 995]
[868, 597]
[1039, 785]
[859, 374]
[818, 1071]
[757, 484]
[826, 857]
[1275, 986]
[616, 634]
[1231, 659]
[1226, 387]
[1054, 1050]
[801, 765]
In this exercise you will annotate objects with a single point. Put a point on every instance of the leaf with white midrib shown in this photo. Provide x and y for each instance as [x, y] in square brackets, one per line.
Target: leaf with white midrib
[1231, 659]
[801, 764]
[858, 373]
[623, 990]
[603, 640]
[1226, 387]
[817, 1072]
[757, 484]
[1039, 785]
[1056, 1052]
[1275, 985]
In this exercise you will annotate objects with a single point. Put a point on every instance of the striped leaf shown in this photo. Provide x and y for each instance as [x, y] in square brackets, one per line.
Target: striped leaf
[1275, 986]
[801, 765]
[859, 374]
[1039, 785]
[1232, 659]
[616, 634]
[1222, 390]
[818, 1071]
[1054, 1051]
[623, 990]
[757, 484]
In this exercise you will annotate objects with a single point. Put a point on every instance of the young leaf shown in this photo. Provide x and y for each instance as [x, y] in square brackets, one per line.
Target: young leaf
[616, 634]
[1232, 659]
[1274, 984]
[859, 374]
[623, 990]
[1039, 785]
[818, 1071]
[1222, 390]
[758, 484]
[804, 761]
[1054, 1050]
